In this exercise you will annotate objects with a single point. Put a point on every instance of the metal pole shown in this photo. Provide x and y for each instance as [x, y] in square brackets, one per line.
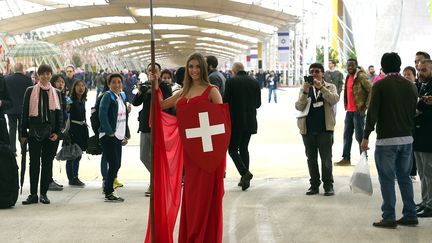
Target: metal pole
[152, 112]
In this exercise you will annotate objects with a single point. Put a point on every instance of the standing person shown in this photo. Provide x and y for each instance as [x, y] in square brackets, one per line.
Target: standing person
[57, 81]
[392, 109]
[5, 103]
[70, 77]
[243, 94]
[272, 85]
[371, 73]
[411, 74]
[201, 213]
[215, 77]
[143, 97]
[422, 136]
[260, 76]
[113, 131]
[356, 99]
[317, 128]
[333, 76]
[78, 130]
[41, 125]
[16, 83]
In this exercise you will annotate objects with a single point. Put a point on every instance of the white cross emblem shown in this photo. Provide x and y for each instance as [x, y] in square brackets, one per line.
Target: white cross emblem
[205, 131]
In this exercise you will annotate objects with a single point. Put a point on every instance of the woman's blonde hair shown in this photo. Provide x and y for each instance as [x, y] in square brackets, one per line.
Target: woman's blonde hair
[187, 81]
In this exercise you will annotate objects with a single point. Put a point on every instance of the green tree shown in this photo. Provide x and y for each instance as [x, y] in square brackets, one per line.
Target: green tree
[76, 59]
[320, 54]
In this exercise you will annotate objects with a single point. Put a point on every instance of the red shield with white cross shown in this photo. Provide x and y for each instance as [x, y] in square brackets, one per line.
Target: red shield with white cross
[205, 130]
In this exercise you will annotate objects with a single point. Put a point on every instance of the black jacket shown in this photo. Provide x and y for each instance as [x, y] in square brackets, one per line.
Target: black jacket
[144, 98]
[5, 104]
[55, 118]
[423, 122]
[243, 94]
[17, 84]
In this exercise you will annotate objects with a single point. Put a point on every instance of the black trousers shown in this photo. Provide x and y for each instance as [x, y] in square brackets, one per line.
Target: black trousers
[322, 143]
[41, 156]
[112, 150]
[238, 150]
[14, 121]
[4, 137]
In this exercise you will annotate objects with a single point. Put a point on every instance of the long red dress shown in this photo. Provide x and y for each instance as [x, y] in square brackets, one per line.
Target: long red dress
[201, 210]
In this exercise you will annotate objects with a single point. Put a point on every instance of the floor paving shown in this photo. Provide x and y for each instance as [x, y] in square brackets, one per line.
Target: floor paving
[274, 209]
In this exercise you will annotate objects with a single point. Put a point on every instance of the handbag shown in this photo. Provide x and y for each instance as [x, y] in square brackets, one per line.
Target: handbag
[361, 180]
[305, 111]
[69, 151]
[93, 146]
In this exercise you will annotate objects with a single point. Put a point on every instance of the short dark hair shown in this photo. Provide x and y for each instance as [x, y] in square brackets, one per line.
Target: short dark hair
[156, 64]
[371, 66]
[353, 60]
[410, 68]
[44, 68]
[212, 61]
[333, 61]
[167, 71]
[114, 75]
[317, 65]
[179, 75]
[391, 62]
[424, 54]
[54, 78]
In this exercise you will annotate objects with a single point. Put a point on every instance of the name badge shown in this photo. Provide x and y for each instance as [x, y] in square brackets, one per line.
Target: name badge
[318, 104]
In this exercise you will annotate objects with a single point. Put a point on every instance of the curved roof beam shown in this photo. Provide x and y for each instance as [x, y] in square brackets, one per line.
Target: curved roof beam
[179, 51]
[71, 35]
[224, 7]
[191, 33]
[27, 22]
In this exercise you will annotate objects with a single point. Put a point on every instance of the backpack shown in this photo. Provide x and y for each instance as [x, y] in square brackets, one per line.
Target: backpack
[94, 117]
[9, 185]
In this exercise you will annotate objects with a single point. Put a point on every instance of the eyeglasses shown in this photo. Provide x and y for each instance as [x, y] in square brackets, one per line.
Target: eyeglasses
[312, 71]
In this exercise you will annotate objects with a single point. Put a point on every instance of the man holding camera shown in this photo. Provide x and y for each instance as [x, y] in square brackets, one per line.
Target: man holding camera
[144, 97]
[316, 127]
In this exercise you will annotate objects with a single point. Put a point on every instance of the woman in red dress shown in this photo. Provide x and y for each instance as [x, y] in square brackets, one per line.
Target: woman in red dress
[201, 210]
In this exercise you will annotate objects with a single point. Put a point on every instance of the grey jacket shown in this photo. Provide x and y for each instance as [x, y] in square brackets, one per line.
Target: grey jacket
[329, 93]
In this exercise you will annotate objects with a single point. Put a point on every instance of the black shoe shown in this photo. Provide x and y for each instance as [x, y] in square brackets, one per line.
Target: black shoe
[312, 191]
[407, 222]
[240, 183]
[59, 185]
[31, 199]
[420, 208]
[388, 224]
[426, 213]
[329, 192]
[76, 182]
[112, 198]
[245, 180]
[54, 187]
[44, 199]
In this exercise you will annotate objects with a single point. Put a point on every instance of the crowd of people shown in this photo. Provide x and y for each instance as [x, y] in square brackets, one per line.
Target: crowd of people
[397, 105]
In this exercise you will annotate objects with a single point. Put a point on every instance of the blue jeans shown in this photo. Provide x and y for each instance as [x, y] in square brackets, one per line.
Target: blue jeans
[354, 123]
[272, 90]
[72, 167]
[391, 161]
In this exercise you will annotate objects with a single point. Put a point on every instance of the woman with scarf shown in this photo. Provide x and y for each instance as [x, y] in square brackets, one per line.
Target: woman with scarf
[42, 120]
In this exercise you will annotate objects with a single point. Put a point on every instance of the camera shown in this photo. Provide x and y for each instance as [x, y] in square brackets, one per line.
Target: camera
[309, 79]
[143, 87]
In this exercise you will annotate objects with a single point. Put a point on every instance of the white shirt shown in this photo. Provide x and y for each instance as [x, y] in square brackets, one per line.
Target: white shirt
[120, 130]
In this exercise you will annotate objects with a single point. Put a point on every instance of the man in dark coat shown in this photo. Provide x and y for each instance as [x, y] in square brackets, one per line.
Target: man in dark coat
[243, 94]
[16, 83]
[5, 103]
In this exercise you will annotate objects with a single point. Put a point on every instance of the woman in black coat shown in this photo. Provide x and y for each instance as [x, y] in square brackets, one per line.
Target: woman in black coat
[78, 130]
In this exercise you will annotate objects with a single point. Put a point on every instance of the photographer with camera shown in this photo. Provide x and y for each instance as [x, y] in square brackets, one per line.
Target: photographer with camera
[316, 127]
[144, 97]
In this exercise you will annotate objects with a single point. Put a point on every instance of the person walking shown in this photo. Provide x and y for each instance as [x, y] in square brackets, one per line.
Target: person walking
[243, 94]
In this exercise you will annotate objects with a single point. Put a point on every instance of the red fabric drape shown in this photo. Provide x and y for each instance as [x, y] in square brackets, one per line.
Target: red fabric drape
[168, 166]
